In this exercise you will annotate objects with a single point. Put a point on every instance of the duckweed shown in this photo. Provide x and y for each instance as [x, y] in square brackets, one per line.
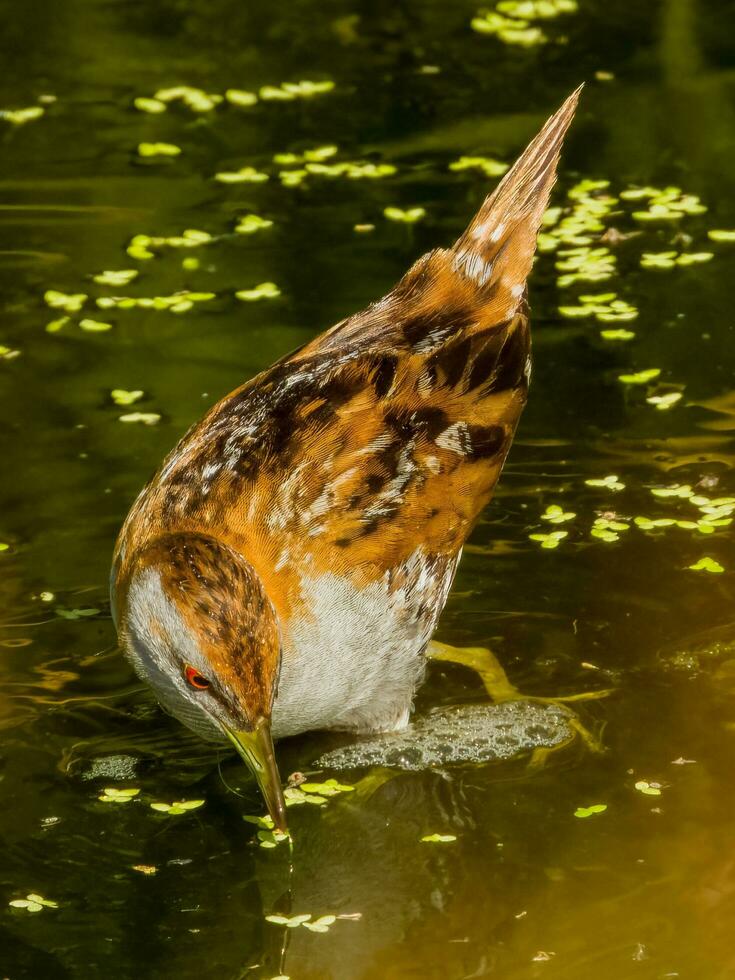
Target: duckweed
[669, 260]
[438, 838]
[650, 524]
[306, 89]
[288, 91]
[195, 99]
[145, 418]
[178, 807]
[664, 204]
[248, 224]
[69, 302]
[240, 97]
[707, 564]
[486, 165]
[119, 277]
[328, 788]
[265, 290]
[110, 794]
[152, 106]
[179, 302]
[675, 490]
[640, 377]
[33, 903]
[611, 482]
[94, 326]
[721, 235]
[549, 541]
[268, 839]
[408, 216]
[158, 150]
[605, 307]
[321, 924]
[648, 789]
[121, 396]
[511, 20]
[244, 175]
[312, 162]
[290, 921]
[19, 117]
[140, 246]
[588, 811]
[557, 515]
[664, 402]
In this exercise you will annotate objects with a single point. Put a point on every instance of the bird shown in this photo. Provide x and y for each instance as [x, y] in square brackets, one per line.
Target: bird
[285, 568]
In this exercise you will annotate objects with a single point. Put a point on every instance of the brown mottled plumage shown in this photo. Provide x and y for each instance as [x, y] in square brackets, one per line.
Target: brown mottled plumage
[320, 509]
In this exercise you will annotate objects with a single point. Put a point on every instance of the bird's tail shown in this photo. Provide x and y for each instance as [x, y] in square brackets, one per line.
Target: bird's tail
[496, 250]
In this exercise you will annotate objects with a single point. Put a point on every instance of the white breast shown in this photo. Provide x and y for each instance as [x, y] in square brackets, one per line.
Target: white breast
[353, 661]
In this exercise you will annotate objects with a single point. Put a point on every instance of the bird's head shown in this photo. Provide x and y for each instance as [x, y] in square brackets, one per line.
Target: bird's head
[197, 625]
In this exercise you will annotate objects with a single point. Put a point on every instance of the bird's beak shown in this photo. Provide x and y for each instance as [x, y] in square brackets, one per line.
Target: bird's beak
[256, 748]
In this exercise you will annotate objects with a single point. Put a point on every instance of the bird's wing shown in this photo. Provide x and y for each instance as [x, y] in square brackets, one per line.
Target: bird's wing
[388, 432]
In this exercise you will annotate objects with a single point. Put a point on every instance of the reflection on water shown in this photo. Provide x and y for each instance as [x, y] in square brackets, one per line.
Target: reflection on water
[645, 888]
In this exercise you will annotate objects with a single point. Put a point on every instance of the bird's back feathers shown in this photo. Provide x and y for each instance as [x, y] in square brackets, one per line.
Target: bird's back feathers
[383, 436]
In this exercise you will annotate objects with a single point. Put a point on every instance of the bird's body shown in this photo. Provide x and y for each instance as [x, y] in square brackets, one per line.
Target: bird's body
[300, 541]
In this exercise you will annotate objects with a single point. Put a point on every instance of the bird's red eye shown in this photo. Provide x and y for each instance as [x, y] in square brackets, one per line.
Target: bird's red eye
[195, 678]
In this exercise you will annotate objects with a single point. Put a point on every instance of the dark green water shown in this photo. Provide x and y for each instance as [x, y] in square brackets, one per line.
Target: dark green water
[645, 889]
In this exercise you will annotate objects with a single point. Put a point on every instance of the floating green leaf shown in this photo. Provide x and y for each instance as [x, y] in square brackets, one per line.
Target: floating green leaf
[111, 794]
[265, 290]
[486, 165]
[694, 258]
[121, 396]
[18, 117]
[676, 490]
[33, 903]
[664, 402]
[193, 98]
[146, 418]
[611, 482]
[707, 564]
[587, 811]
[94, 326]
[438, 838]
[721, 235]
[245, 175]
[158, 150]
[290, 921]
[69, 302]
[119, 277]
[329, 788]
[178, 807]
[409, 215]
[250, 223]
[321, 924]
[640, 377]
[557, 515]
[549, 541]
[153, 106]
[648, 789]
[241, 98]
[658, 260]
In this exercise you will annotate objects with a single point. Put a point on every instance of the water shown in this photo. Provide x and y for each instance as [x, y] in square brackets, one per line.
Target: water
[644, 889]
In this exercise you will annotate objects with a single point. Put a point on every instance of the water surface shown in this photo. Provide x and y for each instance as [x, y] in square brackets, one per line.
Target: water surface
[644, 889]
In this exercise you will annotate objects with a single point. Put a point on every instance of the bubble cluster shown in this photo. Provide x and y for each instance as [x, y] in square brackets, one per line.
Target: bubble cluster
[463, 734]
